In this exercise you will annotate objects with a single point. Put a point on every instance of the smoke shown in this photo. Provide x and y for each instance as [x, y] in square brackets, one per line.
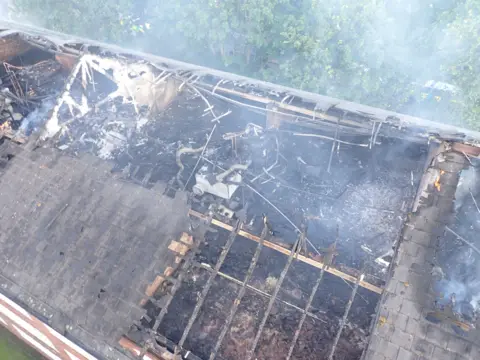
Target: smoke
[412, 37]
[404, 45]
[4, 7]
[9, 11]
[464, 297]
[466, 187]
[380, 53]
[461, 263]
[35, 119]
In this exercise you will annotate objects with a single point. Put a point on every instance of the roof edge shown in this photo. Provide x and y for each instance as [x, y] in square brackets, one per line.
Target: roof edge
[318, 107]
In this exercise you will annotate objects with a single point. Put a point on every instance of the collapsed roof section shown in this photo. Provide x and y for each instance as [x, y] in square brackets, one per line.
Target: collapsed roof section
[146, 112]
[117, 106]
[329, 115]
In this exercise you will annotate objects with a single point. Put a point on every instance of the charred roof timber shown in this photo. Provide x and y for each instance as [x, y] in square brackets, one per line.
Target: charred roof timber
[240, 220]
[290, 105]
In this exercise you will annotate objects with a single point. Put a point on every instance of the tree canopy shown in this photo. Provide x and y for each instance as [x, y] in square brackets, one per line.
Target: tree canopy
[376, 52]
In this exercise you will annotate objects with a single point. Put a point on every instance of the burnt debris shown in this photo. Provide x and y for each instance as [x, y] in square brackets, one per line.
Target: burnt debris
[297, 206]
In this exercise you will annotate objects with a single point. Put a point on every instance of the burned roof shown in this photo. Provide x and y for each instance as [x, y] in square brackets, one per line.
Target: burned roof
[300, 107]
[190, 213]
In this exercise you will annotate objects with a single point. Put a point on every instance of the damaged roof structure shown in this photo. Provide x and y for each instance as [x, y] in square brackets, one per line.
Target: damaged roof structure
[160, 210]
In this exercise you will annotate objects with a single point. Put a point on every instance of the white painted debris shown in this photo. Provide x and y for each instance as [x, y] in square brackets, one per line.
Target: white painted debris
[381, 261]
[110, 142]
[141, 122]
[366, 249]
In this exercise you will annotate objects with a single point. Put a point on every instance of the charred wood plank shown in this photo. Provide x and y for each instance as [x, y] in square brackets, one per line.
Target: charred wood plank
[345, 316]
[208, 285]
[186, 265]
[240, 295]
[258, 291]
[12, 45]
[291, 256]
[281, 249]
[307, 307]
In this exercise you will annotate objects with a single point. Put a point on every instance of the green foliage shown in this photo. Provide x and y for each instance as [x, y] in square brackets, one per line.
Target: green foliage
[99, 20]
[376, 52]
[12, 348]
[464, 32]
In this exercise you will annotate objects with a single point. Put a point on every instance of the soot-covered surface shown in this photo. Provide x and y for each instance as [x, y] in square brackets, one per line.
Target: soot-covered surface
[364, 192]
[294, 176]
[317, 333]
[458, 253]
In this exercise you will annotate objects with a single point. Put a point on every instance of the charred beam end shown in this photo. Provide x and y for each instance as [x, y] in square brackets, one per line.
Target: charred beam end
[169, 345]
[240, 295]
[208, 285]
[188, 260]
[12, 45]
[135, 350]
[285, 251]
[160, 350]
[466, 149]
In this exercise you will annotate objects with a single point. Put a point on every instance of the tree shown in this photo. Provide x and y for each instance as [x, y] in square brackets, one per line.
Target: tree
[333, 48]
[464, 71]
[99, 20]
[376, 52]
[314, 45]
[227, 33]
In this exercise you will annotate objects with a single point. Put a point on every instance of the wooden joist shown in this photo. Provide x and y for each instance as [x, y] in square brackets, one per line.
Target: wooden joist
[153, 287]
[285, 251]
[180, 248]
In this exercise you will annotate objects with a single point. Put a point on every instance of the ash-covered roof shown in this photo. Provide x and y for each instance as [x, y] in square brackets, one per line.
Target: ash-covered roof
[152, 196]
[79, 247]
